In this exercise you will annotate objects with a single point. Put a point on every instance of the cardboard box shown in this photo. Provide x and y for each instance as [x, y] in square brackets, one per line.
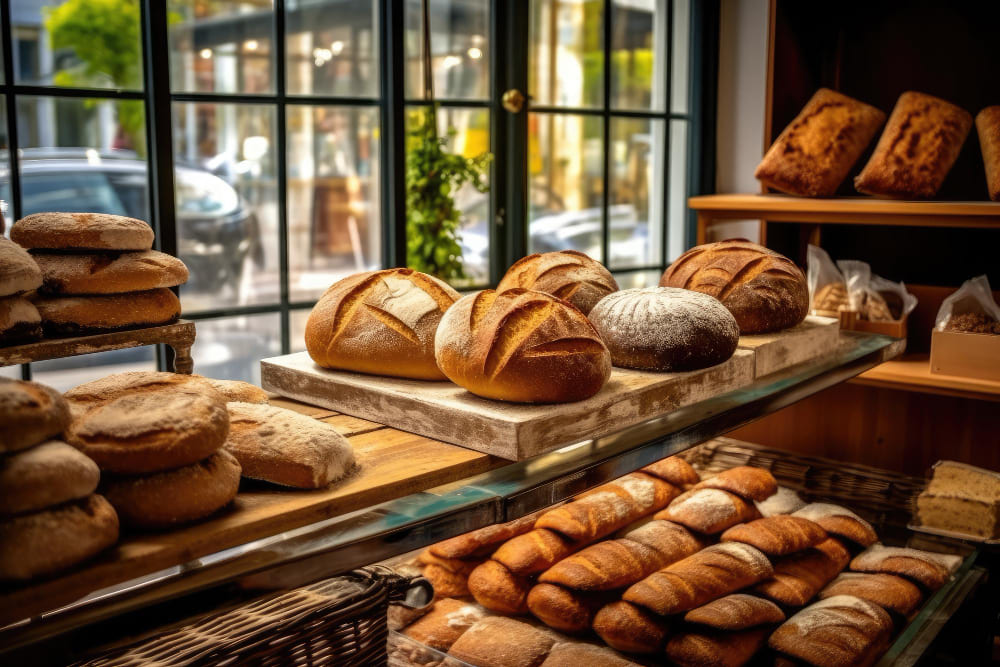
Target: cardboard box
[971, 355]
[851, 321]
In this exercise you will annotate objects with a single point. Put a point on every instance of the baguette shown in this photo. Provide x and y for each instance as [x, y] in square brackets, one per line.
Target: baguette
[447, 620]
[564, 609]
[456, 565]
[888, 591]
[928, 568]
[798, 577]
[609, 507]
[708, 511]
[534, 551]
[777, 535]
[722, 649]
[839, 521]
[841, 630]
[483, 542]
[738, 611]
[497, 589]
[709, 574]
[627, 627]
[675, 470]
[618, 563]
[745, 481]
[496, 641]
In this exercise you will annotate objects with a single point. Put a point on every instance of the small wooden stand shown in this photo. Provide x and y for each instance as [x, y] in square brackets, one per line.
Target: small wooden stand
[178, 335]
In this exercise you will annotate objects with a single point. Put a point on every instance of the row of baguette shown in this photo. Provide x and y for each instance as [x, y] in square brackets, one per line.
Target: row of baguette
[722, 569]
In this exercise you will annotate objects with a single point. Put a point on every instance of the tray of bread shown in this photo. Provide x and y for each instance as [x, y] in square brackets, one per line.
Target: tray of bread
[747, 555]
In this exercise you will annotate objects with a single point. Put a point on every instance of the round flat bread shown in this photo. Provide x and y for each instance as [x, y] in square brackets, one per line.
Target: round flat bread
[82, 231]
[109, 273]
[18, 271]
[19, 321]
[78, 315]
[237, 391]
[30, 413]
[43, 476]
[103, 390]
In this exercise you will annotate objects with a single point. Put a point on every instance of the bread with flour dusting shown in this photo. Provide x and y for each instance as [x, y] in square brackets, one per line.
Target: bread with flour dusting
[567, 274]
[799, 576]
[381, 323]
[707, 647]
[709, 511]
[500, 641]
[675, 470]
[534, 551]
[738, 611]
[522, 346]
[109, 273]
[665, 329]
[745, 481]
[43, 476]
[777, 535]
[498, 589]
[565, 609]
[840, 630]
[445, 623]
[82, 231]
[925, 567]
[841, 521]
[30, 413]
[886, 590]
[19, 273]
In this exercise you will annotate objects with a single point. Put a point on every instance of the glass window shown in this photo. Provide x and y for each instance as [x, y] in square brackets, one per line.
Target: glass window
[64, 374]
[566, 53]
[635, 212]
[232, 347]
[460, 50]
[332, 47]
[638, 54]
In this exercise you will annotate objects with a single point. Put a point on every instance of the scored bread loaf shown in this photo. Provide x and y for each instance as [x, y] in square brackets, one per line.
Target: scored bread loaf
[496, 641]
[567, 274]
[380, 322]
[763, 290]
[521, 346]
[499, 590]
[30, 413]
[812, 156]
[925, 567]
[534, 551]
[721, 649]
[708, 511]
[609, 507]
[564, 609]
[484, 541]
[447, 620]
[19, 273]
[886, 590]
[839, 521]
[798, 577]
[777, 535]
[988, 127]
[82, 231]
[738, 611]
[700, 578]
[841, 630]
[613, 564]
[109, 274]
[675, 470]
[917, 149]
[630, 628]
[745, 481]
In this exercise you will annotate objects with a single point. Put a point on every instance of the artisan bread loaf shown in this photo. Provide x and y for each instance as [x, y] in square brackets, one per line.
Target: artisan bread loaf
[43, 476]
[18, 271]
[236, 391]
[840, 630]
[798, 577]
[82, 231]
[380, 322]
[784, 501]
[928, 568]
[498, 589]
[484, 541]
[456, 565]
[285, 447]
[578, 654]
[763, 290]
[630, 628]
[567, 274]
[675, 470]
[738, 611]
[745, 481]
[721, 649]
[447, 620]
[700, 578]
[496, 641]
[812, 156]
[151, 431]
[19, 321]
[988, 127]
[534, 551]
[108, 273]
[45, 542]
[446, 583]
[839, 521]
[665, 329]
[106, 389]
[777, 535]
[177, 496]
[888, 591]
[917, 149]
[80, 315]
[565, 609]
[30, 413]
[708, 511]
[522, 346]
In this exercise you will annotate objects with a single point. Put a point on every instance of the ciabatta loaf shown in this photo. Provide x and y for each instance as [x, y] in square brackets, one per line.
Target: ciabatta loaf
[745, 481]
[839, 521]
[567, 274]
[630, 628]
[841, 630]
[708, 647]
[886, 590]
[777, 535]
[738, 611]
[798, 577]
[925, 567]
[708, 511]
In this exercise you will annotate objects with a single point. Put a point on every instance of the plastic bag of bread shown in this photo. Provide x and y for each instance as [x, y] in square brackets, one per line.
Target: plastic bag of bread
[827, 289]
[873, 297]
[971, 309]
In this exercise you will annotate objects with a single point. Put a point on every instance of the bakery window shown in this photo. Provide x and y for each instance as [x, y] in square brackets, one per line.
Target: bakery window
[283, 124]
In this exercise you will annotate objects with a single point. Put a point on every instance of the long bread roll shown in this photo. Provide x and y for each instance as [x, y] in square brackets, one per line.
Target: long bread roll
[745, 481]
[798, 577]
[534, 551]
[484, 541]
[497, 589]
[564, 609]
[709, 511]
[777, 535]
[630, 628]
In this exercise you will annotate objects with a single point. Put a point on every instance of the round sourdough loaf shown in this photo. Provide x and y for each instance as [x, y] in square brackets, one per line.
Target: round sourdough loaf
[45, 542]
[665, 329]
[75, 315]
[82, 231]
[236, 391]
[46, 475]
[100, 391]
[151, 431]
[109, 273]
[30, 413]
[567, 274]
[763, 290]
[380, 322]
[19, 272]
[522, 346]
[19, 321]
[176, 496]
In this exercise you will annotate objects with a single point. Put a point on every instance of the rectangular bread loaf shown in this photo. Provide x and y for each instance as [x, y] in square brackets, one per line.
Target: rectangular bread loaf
[503, 641]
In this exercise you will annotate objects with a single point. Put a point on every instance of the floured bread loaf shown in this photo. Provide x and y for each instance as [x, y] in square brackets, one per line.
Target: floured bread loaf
[812, 156]
[30, 413]
[567, 274]
[43, 476]
[18, 271]
[840, 521]
[784, 501]
[445, 623]
[665, 329]
[236, 391]
[988, 127]
[579, 654]
[929, 568]
[840, 630]
[380, 322]
[79, 315]
[285, 447]
[109, 274]
[709, 511]
[103, 390]
[917, 149]
[19, 321]
[886, 590]
[763, 290]
[82, 231]
[745, 481]
[738, 611]
[496, 640]
[522, 346]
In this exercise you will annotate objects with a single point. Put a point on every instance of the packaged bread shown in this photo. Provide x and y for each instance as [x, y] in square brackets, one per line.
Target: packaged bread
[827, 287]
[971, 309]
[567, 274]
[988, 127]
[812, 156]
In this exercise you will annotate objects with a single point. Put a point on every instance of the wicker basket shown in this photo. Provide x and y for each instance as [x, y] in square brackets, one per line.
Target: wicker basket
[339, 621]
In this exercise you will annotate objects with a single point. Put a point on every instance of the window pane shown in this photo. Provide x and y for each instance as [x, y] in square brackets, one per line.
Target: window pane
[5, 201]
[636, 212]
[632, 279]
[223, 46]
[677, 219]
[77, 43]
[566, 56]
[333, 196]
[64, 374]
[332, 47]
[297, 329]
[230, 348]
[459, 48]
[565, 164]
[680, 58]
[227, 211]
[638, 54]
[82, 155]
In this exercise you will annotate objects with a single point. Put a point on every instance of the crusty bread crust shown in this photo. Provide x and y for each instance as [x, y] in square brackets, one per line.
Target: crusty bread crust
[564, 609]
[777, 535]
[30, 413]
[738, 611]
[630, 628]
[82, 231]
[841, 630]
[798, 577]
[567, 274]
[380, 322]
[237, 391]
[446, 584]
[496, 640]
[763, 290]
[534, 551]
[707, 647]
[109, 273]
[18, 271]
[445, 623]
[812, 156]
[484, 541]
[988, 127]
[745, 481]
[44, 476]
[709, 511]
[521, 346]
[88, 395]
[888, 591]
[19, 320]
[108, 312]
[499, 590]
[675, 470]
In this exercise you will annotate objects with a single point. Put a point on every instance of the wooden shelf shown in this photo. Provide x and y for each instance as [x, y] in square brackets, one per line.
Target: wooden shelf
[912, 372]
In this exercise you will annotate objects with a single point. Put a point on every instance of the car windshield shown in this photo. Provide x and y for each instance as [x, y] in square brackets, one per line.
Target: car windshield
[87, 192]
[200, 193]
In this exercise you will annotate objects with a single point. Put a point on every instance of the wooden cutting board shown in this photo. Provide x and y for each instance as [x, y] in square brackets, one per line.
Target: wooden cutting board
[444, 411]
[812, 338]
